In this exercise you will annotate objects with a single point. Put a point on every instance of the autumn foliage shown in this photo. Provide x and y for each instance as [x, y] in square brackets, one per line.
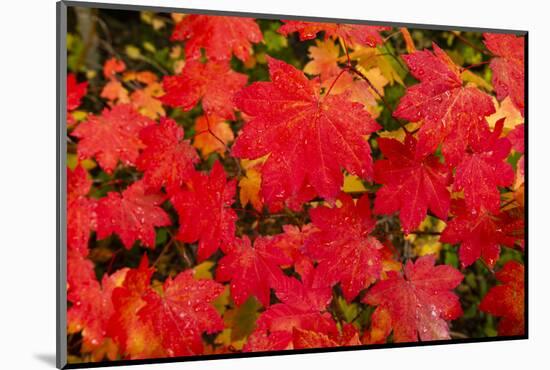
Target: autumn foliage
[236, 184]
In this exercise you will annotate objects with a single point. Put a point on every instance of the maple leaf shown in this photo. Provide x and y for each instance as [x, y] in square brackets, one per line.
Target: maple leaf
[370, 58]
[508, 66]
[92, 307]
[214, 83]
[324, 59]
[167, 159]
[507, 300]
[507, 110]
[480, 233]
[81, 216]
[144, 77]
[220, 36]
[113, 66]
[132, 215]
[204, 211]
[252, 270]
[135, 337]
[359, 90]
[352, 34]
[275, 327]
[411, 185]
[419, 302]
[75, 92]
[308, 137]
[342, 246]
[112, 136]
[480, 173]
[291, 242]
[303, 307]
[78, 183]
[312, 292]
[313, 339]
[451, 114]
[212, 134]
[183, 313]
[146, 101]
[115, 92]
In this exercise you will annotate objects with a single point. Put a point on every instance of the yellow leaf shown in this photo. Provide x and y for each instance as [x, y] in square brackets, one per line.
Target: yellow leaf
[79, 115]
[212, 133]
[177, 17]
[470, 77]
[72, 161]
[176, 52]
[114, 91]
[399, 134]
[377, 79]
[149, 47]
[203, 270]
[221, 303]
[353, 184]
[373, 58]
[324, 59]
[427, 244]
[240, 322]
[250, 189]
[133, 52]
[146, 102]
[505, 109]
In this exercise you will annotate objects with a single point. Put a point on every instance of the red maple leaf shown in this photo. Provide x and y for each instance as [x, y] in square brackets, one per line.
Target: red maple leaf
[252, 270]
[450, 113]
[219, 36]
[132, 215]
[292, 240]
[312, 292]
[419, 302]
[308, 137]
[75, 92]
[343, 247]
[303, 307]
[183, 313]
[480, 173]
[507, 301]
[167, 159]
[517, 138]
[204, 210]
[80, 272]
[274, 182]
[92, 307]
[112, 136]
[213, 82]
[81, 216]
[412, 185]
[508, 66]
[135, 337]
[352, 34]
[480, 233]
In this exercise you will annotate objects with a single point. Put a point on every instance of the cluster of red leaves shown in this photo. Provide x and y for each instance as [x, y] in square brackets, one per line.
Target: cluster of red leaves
[308, 134]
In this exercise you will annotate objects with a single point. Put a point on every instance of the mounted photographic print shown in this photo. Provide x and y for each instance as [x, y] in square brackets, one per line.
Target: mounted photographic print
[236, 185]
